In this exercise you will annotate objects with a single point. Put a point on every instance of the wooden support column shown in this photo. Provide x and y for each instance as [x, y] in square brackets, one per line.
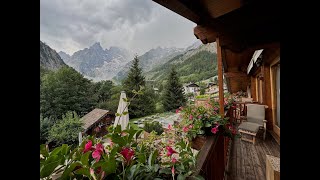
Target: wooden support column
[220, 77]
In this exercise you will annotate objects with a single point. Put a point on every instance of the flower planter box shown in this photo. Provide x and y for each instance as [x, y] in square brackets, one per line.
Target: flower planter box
[198, 142]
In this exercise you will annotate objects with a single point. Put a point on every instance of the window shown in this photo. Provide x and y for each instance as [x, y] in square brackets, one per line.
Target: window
[276, 92]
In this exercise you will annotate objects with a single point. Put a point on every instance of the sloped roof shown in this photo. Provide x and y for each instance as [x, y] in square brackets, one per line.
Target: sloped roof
[93, 116]
[192, 85]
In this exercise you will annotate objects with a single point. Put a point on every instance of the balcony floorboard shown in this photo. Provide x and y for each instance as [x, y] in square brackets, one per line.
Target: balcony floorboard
[248, 161]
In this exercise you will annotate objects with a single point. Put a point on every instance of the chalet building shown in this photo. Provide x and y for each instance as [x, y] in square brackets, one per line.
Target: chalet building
[97, 121]
[247, 37]
[191, 88]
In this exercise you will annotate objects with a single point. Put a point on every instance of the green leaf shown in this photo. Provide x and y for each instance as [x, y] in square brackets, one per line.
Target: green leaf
[181, 177]
[66, 173]
[43, 150]
[110, 166]
[141, 158]
[165, 171]
[85, 158]
[152, 157]
[56, 150]
[49, 165]
[83, 171]
[118, 140]
[181, 168]
[208, 124]
[65, 149]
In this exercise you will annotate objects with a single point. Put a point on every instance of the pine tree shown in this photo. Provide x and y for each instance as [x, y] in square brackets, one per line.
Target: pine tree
[141, 105]
[173, 96]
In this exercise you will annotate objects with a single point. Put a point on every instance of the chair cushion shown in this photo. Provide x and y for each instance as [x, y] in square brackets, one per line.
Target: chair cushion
[249, 126]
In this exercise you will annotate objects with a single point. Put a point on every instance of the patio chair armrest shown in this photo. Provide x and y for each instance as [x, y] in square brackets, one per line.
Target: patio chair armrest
[265, 121]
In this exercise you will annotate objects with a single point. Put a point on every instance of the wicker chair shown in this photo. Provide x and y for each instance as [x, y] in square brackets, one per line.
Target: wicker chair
[255, 120]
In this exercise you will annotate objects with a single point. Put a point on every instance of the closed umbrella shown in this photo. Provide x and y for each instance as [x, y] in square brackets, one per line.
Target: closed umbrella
[123, 120]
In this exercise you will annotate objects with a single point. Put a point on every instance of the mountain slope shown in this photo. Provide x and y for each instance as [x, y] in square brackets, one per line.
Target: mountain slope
[96, 63]
[150, 59]
[192, 66]
[49, 58]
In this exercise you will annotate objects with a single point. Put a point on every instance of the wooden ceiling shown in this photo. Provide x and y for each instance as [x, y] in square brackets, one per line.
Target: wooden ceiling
[240, 23]
[242, 26]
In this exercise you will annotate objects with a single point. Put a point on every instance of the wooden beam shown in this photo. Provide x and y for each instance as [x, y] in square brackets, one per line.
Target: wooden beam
[220, 78]
[235, 74]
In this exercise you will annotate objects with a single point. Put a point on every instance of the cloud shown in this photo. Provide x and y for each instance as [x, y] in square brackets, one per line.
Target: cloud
[137, 25]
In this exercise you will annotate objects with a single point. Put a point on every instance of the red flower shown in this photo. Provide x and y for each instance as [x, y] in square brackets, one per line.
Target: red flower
[169, 127]
[97, 152]
[127, 153]
[170, 151]
[190, 117]
[190, 126]
[99, 147]
[177, 111]
[96, 155]
[88, 146]
[215, 130]
[174, 160]
[185, 129]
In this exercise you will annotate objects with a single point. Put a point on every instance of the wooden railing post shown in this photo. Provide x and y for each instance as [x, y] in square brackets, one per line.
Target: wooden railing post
[220, 78]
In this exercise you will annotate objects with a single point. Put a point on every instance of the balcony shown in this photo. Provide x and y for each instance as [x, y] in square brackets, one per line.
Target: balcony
[221, 158]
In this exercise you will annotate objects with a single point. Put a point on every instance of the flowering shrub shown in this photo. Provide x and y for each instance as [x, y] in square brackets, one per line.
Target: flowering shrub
[126, 157]
[206, 120]
[168, 156]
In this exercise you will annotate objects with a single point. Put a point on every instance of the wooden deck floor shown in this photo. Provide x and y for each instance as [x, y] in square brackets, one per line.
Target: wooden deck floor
[248, 161]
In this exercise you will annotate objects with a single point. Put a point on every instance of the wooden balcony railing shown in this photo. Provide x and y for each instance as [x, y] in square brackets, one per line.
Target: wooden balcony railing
[213, 156]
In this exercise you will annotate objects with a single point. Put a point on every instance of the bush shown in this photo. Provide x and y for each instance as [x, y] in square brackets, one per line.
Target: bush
[66, 131]
[153, 126]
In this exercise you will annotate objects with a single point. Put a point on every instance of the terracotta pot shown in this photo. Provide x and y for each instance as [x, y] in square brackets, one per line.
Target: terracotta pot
[198, 142]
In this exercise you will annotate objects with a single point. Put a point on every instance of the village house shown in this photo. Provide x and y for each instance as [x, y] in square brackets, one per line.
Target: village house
[191, 88]
[97, 121]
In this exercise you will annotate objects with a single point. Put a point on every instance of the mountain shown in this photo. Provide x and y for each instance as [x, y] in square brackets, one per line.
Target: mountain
[150, 59]
[49, 58]
[195, 64]
[96, 63]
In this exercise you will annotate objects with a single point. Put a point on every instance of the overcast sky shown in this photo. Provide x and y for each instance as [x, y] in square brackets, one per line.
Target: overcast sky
[138, 25]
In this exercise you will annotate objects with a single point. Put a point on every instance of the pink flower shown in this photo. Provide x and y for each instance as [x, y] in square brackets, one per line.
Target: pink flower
[215, 108]
[96, 155]
[88, 146]
[170, 151]
[127, 153]
[190, 117]
[172, 170]
[177, 111]
[91, 171]
[174, 160]
[169, 127]
[185, 129]
[99, 147]
[214, 112]
[215, 130]
[190, 126]
[199, 117]
[111, 143]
